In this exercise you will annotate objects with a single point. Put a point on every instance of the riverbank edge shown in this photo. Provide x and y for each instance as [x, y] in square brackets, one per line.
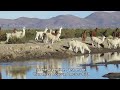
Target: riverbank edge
[57, 54]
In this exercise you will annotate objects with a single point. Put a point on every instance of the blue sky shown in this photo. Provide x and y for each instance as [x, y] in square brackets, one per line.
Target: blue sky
[42, 14]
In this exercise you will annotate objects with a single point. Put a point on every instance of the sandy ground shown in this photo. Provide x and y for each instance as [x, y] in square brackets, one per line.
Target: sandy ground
[33, 49]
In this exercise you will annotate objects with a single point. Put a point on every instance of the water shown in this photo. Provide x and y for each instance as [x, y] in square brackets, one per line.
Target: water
[79, 67]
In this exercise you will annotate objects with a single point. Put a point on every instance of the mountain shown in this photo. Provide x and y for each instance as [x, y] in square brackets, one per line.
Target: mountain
[96, 19]
[105, 19]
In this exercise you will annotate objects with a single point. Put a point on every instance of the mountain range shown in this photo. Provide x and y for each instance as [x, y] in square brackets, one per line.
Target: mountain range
[96, 19]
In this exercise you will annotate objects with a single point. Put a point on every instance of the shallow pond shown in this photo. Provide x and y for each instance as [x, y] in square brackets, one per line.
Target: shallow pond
[92, 66]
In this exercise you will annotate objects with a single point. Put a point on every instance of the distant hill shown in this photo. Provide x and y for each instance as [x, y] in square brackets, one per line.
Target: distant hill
[96, 19]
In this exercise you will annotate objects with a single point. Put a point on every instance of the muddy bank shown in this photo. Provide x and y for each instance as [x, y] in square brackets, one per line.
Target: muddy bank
[38, 50]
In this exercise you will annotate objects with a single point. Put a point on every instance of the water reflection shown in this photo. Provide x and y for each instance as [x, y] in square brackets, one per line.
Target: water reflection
[49, 67]
[0, 72]
[52, 67]
[17, 72]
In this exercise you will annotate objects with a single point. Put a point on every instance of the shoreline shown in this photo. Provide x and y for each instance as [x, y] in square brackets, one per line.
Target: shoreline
[37, 50]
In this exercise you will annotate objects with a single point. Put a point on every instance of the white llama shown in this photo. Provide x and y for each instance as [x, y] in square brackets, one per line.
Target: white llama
[98, 41]
[113, 43]
[76, 46]
[19, 34]
[82, 47]
[52, 38]
[40, 34]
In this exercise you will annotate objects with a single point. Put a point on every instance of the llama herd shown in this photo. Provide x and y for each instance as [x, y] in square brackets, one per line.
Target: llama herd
[74, 45]
[51, 36]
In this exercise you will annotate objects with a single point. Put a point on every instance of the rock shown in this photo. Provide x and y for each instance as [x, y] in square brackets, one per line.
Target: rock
[112, 75]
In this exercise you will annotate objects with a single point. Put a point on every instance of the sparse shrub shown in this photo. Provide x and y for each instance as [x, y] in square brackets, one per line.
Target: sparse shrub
[2, 36]
[15, 40]
[68, 33]
[78, 33]
[30, 34]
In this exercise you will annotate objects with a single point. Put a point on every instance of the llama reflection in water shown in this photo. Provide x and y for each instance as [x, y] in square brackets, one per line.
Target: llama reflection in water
[94, 60]
[17, 72]
[50, 67]
[79, 60]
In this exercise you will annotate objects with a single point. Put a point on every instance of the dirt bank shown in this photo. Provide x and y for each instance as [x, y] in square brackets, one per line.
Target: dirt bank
[38, 50]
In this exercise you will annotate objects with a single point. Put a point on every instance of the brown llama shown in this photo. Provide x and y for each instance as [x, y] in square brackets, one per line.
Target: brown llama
[115, 33]
[84, 36]
[14, 30]
[56, 32]
[93, 33]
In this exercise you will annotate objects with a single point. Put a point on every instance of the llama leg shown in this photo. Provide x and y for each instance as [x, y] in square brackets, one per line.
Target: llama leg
[115, 46]
[52, 41]
[7, 38]
[70, 48]
[98, 46]
[109, 46]
[46, 41]
[76, 49]
[59, 39]
[82, 50]
[89, 50]
[36, 38]
[92, 44]
[42, 37]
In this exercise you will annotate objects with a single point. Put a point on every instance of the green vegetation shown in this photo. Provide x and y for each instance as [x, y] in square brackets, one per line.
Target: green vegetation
[66, 33]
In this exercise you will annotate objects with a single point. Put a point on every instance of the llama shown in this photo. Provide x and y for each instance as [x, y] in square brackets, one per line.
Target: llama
[19, 34]
[59, 33]
[81, 46]
[84, 36]
[40, 34]
[51, 37]
[114, 34]
[76, 46]
[113, 42]
[71, 45]
[93, 33]
[98, 41]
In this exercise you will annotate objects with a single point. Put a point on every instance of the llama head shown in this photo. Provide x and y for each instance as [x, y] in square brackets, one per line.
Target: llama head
[104, 38]
[23, 28]
[46, 29]
[61, 28]
[50, 30]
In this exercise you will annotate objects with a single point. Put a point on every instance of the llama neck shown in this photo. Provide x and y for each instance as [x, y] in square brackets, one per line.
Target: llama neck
[45, 30]
[60, 30]
[50, 31]
[23, 33]
[103, 39]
